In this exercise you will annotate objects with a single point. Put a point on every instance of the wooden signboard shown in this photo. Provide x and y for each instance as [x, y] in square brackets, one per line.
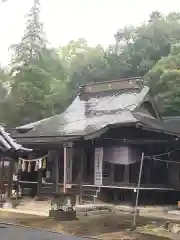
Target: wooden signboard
[98, 166]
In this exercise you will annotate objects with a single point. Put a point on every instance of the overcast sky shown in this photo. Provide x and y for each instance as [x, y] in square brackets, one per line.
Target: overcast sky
[64, 20]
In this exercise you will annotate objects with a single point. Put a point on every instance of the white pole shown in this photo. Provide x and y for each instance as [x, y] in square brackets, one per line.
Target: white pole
[65, 170]
[137, 194]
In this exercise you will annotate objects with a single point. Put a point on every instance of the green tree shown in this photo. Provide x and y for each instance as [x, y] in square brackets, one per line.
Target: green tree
[4, 84]
[155, 16]
[36, 72]
[164, 79]
[83, 63]
[44, 80]
[148, 43]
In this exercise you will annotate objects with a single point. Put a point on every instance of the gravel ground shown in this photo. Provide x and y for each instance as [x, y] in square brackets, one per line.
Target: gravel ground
[9, 232]
[107, 226]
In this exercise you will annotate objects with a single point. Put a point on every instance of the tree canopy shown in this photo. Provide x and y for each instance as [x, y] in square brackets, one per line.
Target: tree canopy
[41, 81]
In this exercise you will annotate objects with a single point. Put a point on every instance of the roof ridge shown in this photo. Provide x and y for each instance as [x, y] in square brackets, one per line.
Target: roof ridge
[171, 117]
[116, 80]
[113, 85]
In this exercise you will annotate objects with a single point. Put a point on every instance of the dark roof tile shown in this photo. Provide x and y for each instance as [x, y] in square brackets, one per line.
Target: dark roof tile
[7, 143]
[172, 123]
[86, 116]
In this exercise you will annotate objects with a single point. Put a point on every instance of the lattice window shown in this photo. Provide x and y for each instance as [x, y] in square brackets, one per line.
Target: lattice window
[106, 169]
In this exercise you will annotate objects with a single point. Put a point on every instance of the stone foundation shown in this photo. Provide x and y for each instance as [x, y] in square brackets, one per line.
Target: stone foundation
[62, 215]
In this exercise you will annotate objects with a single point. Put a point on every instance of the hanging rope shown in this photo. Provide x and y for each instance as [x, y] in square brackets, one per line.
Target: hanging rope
[25, 164]
[161, 160]
[153, 157]
[163, 154]
[33, 160]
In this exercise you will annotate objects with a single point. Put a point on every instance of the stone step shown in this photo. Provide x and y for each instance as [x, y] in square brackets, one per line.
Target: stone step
[33, 209]
[28, 211]
[34, 205]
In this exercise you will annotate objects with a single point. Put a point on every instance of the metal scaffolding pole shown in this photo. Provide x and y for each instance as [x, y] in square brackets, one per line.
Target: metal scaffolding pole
[137, 194]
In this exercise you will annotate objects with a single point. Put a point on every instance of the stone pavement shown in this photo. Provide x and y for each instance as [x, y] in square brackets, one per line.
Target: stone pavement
[26, 211]
[41, 208]
[30, 206]
[9, 232]
[161, 215]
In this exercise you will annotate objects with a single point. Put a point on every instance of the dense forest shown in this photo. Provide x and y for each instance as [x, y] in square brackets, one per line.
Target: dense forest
[42, 81]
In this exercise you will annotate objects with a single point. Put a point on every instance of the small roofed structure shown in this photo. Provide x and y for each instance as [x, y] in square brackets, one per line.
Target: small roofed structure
[10, 150]
[9, 144]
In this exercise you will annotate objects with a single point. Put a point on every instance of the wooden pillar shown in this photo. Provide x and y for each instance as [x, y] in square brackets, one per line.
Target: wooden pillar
[57, 173]
[111, 174]
[17, 182]
[10, 178]
[133, 198]
[1, 174]
[126, 174]
[115, 195]
[81, 177]
[69, 162]
[39, 183]
[148, 173]
[85, 179]
[68, 158]
[53, 159]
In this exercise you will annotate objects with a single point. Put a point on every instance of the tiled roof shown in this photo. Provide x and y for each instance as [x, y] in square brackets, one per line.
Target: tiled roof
[97, 107]
[7, 143]
[85, 117]
[172, 123]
